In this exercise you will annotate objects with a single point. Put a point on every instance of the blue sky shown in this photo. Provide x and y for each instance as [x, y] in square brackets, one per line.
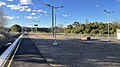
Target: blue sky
[23, 13]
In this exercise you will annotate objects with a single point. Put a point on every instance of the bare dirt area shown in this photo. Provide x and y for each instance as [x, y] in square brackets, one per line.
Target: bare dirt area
[73, 52]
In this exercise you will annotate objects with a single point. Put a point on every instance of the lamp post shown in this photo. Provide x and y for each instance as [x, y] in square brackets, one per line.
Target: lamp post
[108, 12]
[53, 14]
[54, 20]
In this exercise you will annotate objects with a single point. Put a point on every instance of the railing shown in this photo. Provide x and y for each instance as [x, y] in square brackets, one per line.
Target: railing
[4, 57]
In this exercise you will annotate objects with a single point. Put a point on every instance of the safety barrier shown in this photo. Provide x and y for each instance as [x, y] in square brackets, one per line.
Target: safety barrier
[4, 57]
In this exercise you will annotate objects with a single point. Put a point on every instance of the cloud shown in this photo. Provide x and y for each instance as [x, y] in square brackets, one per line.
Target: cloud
[17, 17]
[34, 10]
[28, 10]
[35, 18]
[2, 3]
[26, 2]
[46, 14]
[20, 8]
[44, 11]
[64, 15]
[9, 17]
[24, 8]
[33, 14]
[31, 17]
[39, 11]
[39, 16]
[10, 0]
[14, 7]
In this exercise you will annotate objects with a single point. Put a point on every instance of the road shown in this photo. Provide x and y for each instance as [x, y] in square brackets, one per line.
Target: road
[28, 55]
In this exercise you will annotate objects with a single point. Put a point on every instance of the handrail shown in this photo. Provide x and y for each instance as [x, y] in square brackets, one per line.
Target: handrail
[8, 51]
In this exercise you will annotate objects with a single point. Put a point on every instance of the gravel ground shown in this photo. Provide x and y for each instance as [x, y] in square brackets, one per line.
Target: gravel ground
[78, 53]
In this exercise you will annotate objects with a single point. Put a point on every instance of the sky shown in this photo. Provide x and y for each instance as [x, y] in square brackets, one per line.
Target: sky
[30, 12]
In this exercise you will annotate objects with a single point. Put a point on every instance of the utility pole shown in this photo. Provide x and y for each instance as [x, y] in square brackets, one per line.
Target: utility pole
[108, 22]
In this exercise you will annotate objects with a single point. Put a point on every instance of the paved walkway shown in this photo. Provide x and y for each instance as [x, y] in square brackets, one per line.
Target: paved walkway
[28, 55]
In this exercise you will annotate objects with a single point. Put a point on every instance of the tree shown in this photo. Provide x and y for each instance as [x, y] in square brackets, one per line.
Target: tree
[67, 31]
[93, 28]
[116, 23]
[112, 31]
[95, 31]
[60, 28]
[87, 31]
[75, 24]
[82, 27]
[101, 31]
[60, 25]
[70, 27]
[3, 20]
[15, 28]
[86, 21]
[101, 25]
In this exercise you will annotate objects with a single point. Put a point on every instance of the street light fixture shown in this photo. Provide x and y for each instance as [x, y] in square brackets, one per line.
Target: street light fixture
[108, 12]
[53, 15]
[54, 20]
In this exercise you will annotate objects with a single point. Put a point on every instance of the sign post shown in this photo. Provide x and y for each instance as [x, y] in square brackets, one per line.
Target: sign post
[36, 28]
